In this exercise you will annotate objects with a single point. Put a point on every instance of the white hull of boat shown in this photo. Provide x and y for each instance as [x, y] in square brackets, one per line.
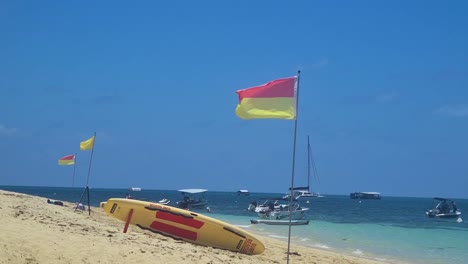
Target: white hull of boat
[268, 205]
[283, 215]
[309, 195]
[164, 201]
[431, 213]
[279, 222]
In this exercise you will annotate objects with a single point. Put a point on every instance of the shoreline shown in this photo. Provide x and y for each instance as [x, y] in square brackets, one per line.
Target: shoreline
[34, 231]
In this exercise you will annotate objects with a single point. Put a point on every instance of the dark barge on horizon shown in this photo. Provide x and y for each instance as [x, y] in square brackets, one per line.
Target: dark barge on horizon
[365, 195]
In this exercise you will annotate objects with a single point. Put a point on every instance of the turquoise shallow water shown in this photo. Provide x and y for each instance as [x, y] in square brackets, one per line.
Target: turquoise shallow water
[393, 229]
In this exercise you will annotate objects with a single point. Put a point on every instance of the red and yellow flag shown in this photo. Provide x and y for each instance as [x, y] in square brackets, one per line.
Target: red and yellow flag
[67, 160]
[87, 144]
[275, 99]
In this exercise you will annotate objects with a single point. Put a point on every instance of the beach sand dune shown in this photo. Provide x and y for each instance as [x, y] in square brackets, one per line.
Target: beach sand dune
[33, 231]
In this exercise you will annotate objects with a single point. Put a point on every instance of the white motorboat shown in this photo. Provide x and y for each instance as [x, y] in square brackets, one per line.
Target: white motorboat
[193, 198]
[279, 222]
[164, 201]
[243, 192]
[268, 204]
[445, 208]
[283, 212]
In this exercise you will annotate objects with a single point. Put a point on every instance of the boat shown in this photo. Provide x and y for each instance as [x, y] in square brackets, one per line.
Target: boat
[283, 212]
[307, 194]
[365, 195]
[279, 222]
[243, 192]
[164, 201]
[304, 192]
[268, 204]
[445, 208]
[192, 198]
[135, 189]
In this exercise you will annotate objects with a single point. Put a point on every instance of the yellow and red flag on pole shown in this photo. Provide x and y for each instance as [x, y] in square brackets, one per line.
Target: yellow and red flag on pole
[67, 160]
[87, 144]
[275, 99]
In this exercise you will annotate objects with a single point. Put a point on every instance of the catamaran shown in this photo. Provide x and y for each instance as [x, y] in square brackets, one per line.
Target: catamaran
[304, 192]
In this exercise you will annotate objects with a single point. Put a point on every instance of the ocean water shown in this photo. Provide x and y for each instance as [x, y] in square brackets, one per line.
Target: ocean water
[394, 229]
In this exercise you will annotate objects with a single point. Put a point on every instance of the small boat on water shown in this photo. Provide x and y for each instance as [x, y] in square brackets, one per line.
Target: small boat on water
[135, 189]
[365, 195]
[282, 212]
[301, 192]
[445, 208]
[307, 194]
[164, 201]
[243, 192]
[279, 222]
[268, 204]
[192, 198]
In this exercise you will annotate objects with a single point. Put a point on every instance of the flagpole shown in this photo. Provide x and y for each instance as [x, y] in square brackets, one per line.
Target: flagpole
[293, 165]
[89, 172]
[87, 179]
[74, 169]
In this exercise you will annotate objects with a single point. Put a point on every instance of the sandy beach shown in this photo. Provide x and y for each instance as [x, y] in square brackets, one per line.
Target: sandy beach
[33, 231]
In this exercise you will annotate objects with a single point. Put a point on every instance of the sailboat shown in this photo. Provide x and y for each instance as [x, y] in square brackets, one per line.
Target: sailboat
[304, 191]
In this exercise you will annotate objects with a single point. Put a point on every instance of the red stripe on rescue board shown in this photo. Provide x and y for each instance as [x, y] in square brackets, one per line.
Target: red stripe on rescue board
[129, 218]
[179, 219]
[173, 230]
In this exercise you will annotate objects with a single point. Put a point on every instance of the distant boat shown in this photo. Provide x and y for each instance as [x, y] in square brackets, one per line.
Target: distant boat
[135, 189]
[279, 222]
[304, 192]
[365, 195]
[243, 192]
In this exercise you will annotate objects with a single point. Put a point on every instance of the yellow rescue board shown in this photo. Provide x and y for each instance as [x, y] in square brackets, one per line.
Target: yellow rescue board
[183, 225]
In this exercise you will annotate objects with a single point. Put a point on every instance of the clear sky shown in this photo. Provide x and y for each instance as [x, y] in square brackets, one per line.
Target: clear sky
[383, 94]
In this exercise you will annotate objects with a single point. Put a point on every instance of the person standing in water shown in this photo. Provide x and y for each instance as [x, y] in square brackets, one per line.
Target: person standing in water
[454, 207]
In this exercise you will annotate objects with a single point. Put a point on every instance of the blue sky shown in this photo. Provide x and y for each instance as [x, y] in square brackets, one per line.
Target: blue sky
[383, 94]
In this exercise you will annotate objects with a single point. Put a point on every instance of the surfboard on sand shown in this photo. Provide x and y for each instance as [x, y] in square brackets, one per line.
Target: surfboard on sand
[183, 225]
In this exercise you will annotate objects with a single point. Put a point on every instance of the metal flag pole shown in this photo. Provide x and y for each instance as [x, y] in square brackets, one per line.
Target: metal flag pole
[89, 172]
[293, 165]
[87, 179]
[74, 170]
